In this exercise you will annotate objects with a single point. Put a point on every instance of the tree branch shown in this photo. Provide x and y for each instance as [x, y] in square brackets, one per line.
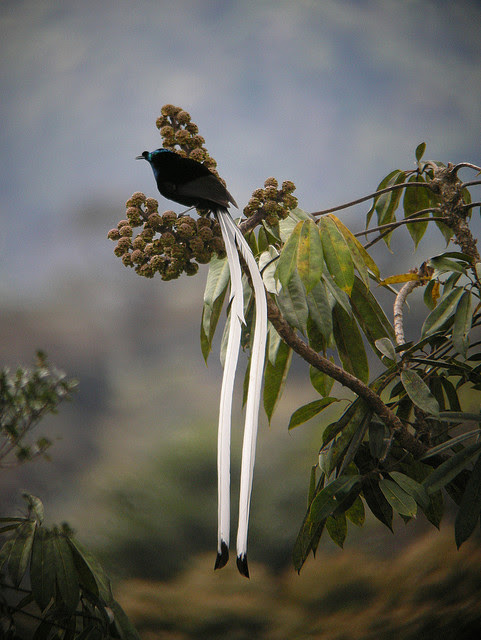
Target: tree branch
[372, 195]
[400, 431]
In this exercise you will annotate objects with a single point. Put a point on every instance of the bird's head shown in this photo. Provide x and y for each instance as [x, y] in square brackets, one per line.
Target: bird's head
[151, 156]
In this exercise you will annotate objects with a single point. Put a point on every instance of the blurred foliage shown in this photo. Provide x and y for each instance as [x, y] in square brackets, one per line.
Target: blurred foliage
[429, 591]
[27, 396]
[67, 594]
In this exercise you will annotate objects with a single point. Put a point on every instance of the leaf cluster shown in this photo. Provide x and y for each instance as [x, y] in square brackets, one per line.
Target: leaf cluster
[66, 595]
[26, 396]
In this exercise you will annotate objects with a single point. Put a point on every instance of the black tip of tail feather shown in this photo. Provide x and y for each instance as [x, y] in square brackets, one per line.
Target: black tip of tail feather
[222, 556]
[242, 565]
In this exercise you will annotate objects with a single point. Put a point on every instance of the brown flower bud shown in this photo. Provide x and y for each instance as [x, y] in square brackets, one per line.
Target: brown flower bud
[113, 234]
[126, 231]
[271, 182]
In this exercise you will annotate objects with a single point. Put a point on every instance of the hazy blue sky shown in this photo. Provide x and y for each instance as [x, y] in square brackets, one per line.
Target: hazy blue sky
[330, 94]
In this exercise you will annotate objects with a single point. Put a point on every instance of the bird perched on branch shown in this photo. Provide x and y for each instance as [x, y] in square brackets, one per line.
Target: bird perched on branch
[190, 183]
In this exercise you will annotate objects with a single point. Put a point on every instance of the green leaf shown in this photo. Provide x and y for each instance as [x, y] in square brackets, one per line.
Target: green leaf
[420, 149]
[416, 199]
[356, 513]
[452, 467]
[376, 501]
[452, 442]
[442, 313]
[331, 497]
[401, 501]
[308, 411]
[419, 392]
[307, 539]
[293, 304]
[309, 255]
[42, 568]
[66, 574]
[386, 347]
[320, 310]
[370, 315]
[336, 526]
[214, 294]
[275, 377]
[386, 204]
[412, 487]
[377, 434]
[312, 484]
[462, 324]
[122, 623]
[349, 344]
[321, 382]
[88, 567]
[360, 257]
[337, 255]
[20, 552]
[470, 507]
[287, 263]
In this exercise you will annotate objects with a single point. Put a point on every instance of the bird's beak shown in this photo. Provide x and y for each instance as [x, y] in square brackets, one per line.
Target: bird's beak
[140, 158]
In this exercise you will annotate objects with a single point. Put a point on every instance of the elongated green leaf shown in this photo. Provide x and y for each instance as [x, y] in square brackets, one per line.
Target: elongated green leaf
[293, 304]
[356, 512]
[309, 255]
[376, 501]
[321, 382]
[336, 295]
[377, 435]
[320, 310]
[337, 255]
[452, 467]
[331, 497]
[420, 149]
[349, 344]
[399, 500]
[412, 487]
[308, 411]
[287, 263]
[42, 568]
[462, 324]
[416, 199]
[312, 484]
[336, 527]
[419, 392]
[361, 258]
[66, 574]
[124, 627]
[370, 315]
[20, 552]
[387, 203]
[385, 182]
[307, 540]
[470, 507]
[84, 560]
[275, 378]
[452, 442]
[214, 294]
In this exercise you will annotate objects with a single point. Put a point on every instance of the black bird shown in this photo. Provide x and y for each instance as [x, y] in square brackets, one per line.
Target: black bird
[190, 183]
[187, 181]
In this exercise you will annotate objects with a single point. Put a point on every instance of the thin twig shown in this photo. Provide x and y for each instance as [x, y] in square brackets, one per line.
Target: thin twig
[466, 164]
[398, 223]
[472, 183]
[372, 195]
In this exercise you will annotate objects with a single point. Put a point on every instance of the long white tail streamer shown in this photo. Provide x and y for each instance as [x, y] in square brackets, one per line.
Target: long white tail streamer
[253, 396]
[225, 408]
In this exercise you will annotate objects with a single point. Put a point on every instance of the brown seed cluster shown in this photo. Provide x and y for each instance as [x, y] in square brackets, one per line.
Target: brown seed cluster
[171, 244]
[168, 244]
[275, 203]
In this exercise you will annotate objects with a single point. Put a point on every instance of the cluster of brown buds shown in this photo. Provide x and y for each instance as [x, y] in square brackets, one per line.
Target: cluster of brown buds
[168, 244]
[273, 202]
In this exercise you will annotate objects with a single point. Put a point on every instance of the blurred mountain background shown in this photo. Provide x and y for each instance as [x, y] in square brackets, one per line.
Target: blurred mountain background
[331, 95]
